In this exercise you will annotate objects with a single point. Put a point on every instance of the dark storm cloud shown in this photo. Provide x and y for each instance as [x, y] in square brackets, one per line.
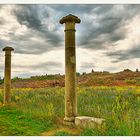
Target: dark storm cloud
[125, 55]
[90, 36]
[76, 9]
[31, 16]
[100, 32]
[108, 23]
[28, 15]
[28, 45]
[95, 37]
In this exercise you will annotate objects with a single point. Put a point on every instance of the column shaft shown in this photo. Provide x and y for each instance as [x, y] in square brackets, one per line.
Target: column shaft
[7, 77]
[70, 71]
[70, 68]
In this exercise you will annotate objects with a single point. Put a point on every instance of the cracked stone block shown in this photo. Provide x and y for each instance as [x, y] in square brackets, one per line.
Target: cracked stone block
[88, 122]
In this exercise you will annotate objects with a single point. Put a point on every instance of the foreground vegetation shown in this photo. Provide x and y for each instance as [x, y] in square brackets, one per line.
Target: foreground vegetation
[35, 111]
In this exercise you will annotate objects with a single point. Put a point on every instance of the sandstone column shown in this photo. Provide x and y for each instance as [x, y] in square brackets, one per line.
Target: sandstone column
[7, 75]
[70, 68]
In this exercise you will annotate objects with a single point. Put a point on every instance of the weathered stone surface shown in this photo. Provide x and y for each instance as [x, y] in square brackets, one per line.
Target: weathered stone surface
[7, 75]
[70, 69]
[88, 122]
[70, 18]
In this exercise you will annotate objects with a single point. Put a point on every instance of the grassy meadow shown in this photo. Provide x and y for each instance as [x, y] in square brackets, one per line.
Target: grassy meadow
[40, 111]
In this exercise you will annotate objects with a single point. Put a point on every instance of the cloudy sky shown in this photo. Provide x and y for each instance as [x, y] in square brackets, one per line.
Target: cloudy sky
[107, 39]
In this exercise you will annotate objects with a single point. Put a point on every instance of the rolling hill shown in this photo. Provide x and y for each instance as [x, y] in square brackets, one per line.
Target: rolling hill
[123, 78]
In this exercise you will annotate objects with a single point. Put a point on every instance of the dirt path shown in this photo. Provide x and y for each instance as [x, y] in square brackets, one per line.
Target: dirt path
[63, 130]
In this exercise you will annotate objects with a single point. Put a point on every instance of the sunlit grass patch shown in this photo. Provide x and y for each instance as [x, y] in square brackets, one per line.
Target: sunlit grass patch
[16, 123]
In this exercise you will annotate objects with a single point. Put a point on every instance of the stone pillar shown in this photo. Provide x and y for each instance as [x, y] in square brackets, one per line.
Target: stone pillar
[7, 75]
[70, 68]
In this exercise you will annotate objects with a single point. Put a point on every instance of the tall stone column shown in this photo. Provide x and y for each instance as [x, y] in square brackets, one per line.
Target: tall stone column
[7, 75]
[70, 68]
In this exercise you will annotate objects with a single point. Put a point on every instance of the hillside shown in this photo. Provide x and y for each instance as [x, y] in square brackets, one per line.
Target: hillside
[123, 78]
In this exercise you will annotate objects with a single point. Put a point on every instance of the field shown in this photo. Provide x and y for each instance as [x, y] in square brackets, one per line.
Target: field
[123, 78]
[40, 111]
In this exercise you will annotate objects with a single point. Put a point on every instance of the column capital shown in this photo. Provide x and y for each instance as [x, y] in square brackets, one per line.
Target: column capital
[70, 18]
[8, 49]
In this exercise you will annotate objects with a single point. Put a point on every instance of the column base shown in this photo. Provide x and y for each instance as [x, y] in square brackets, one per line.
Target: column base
[69, 121]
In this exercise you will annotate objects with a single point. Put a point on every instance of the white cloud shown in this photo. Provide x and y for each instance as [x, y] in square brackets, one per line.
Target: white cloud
[133, 35]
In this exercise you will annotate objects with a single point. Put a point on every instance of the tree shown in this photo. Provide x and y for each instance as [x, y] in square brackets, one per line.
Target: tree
[83, 73]
[127, 70]
[77, 74]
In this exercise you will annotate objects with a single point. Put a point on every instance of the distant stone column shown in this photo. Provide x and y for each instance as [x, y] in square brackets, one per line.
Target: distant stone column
[7, 75]
[70, 68]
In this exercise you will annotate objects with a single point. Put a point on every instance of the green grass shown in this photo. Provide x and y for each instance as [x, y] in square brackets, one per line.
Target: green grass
[37, 110]
[42, 77]
[15, 123]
